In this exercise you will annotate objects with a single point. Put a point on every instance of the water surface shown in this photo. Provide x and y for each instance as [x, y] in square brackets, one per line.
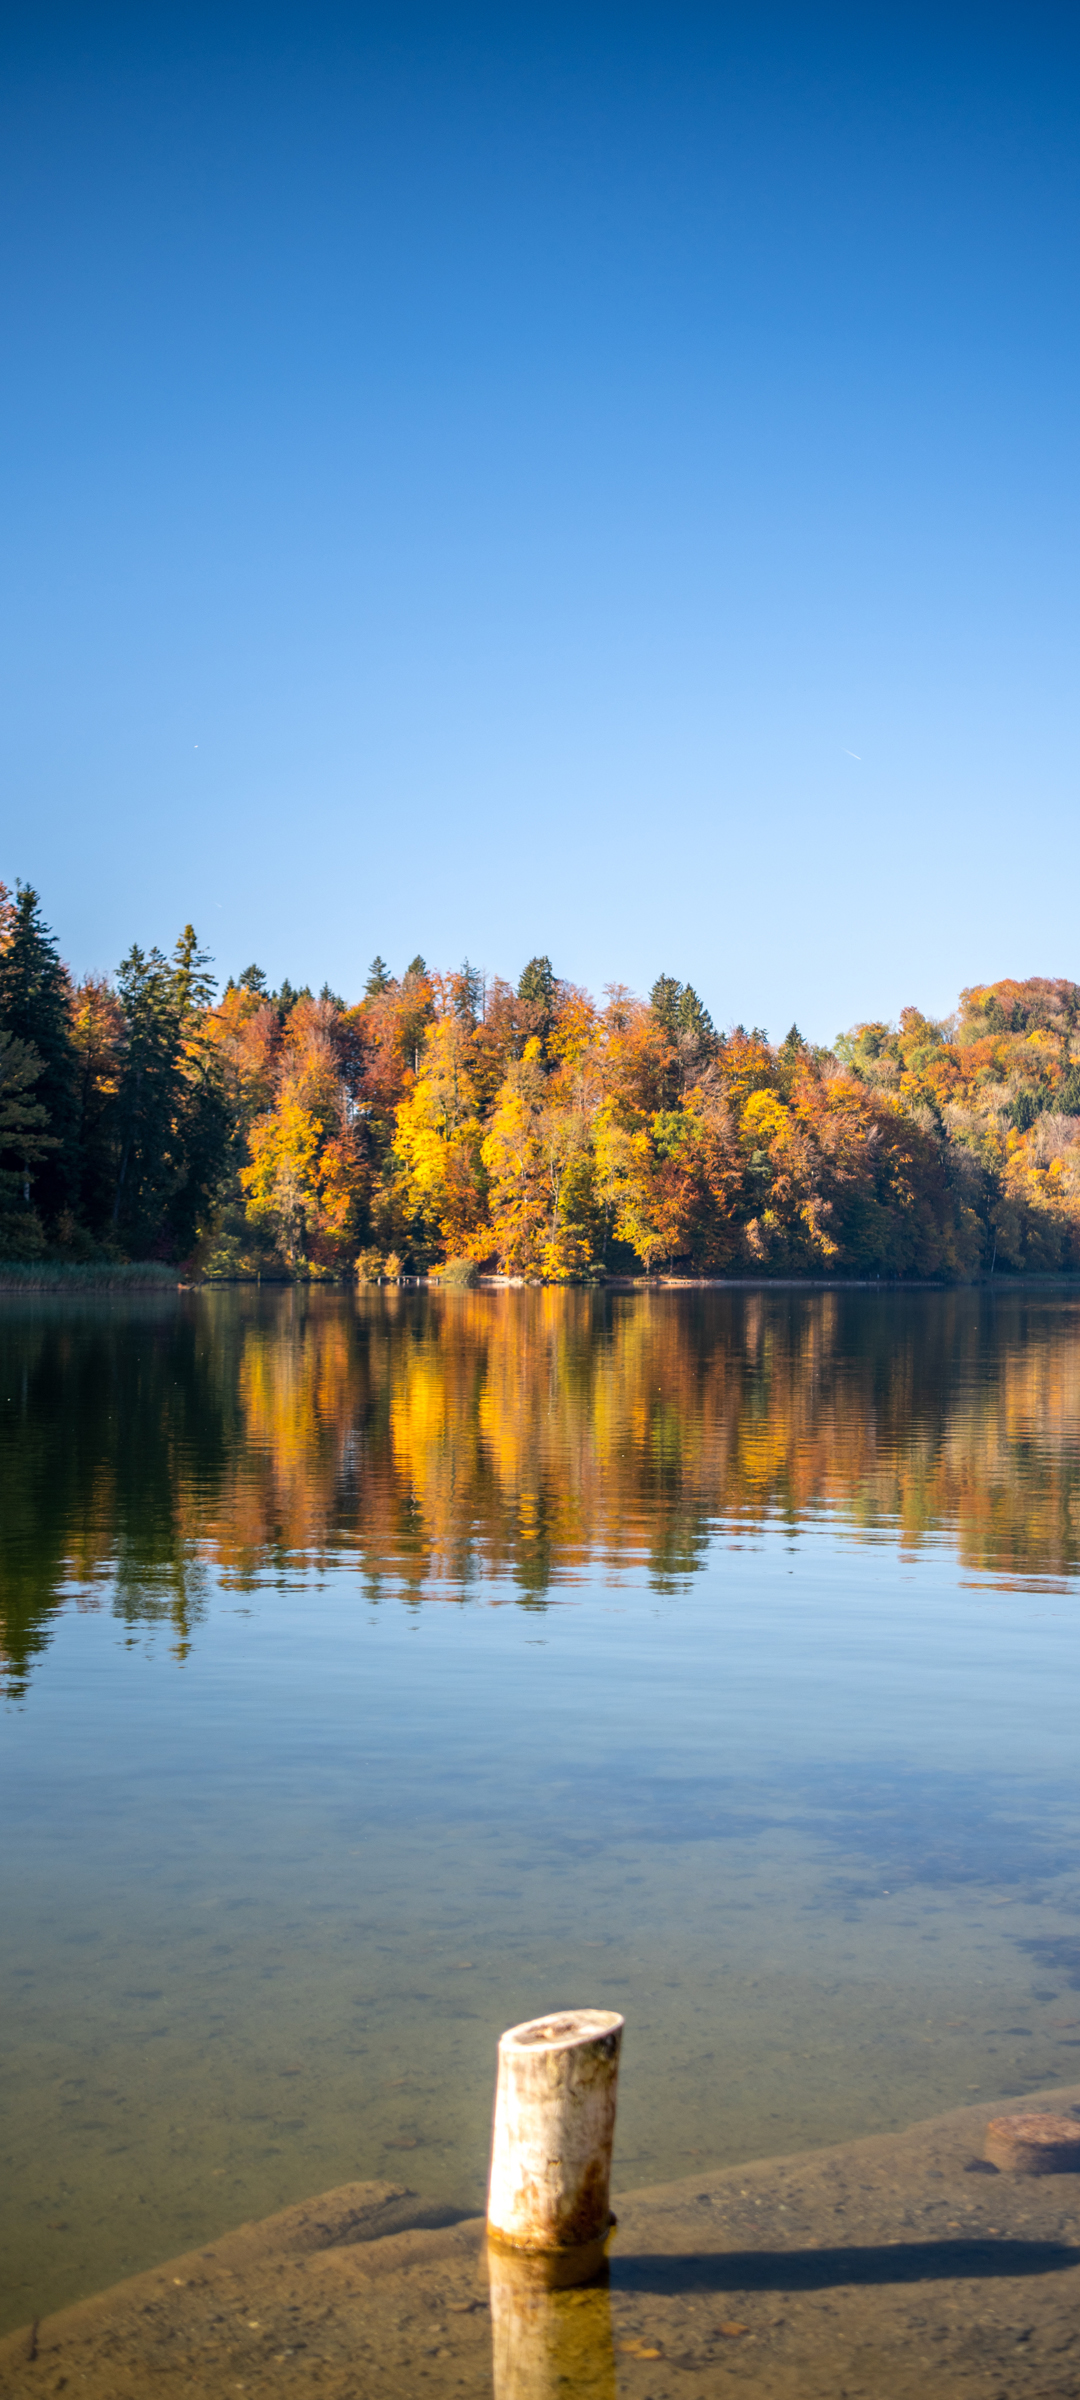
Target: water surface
[382, 1669]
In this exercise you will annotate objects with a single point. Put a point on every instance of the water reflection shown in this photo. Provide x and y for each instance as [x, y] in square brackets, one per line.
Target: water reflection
[444, 1440]
[809, 1821]
[550, 2325]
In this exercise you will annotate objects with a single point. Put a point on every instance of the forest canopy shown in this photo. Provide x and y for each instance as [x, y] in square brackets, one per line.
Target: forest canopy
[449, 1118]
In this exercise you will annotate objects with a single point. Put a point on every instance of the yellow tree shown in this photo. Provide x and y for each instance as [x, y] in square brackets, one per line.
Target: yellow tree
[282, 1177]
[538, 1157]
[641, 1177]
[437, 1143]
[305, 1176]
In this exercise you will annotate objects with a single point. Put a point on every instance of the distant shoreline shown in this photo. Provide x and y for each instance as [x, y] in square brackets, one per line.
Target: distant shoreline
[23, 1279]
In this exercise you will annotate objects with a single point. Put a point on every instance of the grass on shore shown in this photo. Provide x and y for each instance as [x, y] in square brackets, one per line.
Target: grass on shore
[86, 1275]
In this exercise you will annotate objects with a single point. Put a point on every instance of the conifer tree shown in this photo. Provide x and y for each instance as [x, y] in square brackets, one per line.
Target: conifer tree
[24, 1139]
[538, 992]
[689, 1028]
[468, 989]
[171, 1117]
[35, 1003]
[664, 1003]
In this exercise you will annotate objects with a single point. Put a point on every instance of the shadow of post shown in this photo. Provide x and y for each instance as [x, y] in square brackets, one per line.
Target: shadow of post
[820, 2270]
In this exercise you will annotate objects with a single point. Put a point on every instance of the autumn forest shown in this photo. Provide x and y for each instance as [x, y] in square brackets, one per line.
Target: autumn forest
[447, 1122]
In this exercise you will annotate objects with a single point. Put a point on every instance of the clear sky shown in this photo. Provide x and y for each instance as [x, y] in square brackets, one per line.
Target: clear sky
[597, 480]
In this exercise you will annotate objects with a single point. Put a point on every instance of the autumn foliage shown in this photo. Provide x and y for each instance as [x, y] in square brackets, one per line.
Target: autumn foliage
[527, 1129]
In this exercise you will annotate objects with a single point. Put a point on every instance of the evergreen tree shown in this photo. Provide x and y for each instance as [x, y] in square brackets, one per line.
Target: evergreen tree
[204, 1125]
[468, 993]
[24, 1140]
[97, 1034]
[193, 984]
[172, 1120]
[684, 1017]
[664, 1003]
[793, 1055]
[379, 977]
[35, 1003]
[689, 1029]
[147, 1095]
[695, 1024]
[538, 992]
[536, 984]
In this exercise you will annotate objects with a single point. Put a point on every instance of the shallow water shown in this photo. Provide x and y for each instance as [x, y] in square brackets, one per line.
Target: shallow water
[386, 1668]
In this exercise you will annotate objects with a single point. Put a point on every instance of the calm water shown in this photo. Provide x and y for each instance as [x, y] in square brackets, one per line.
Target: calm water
[383, 1669]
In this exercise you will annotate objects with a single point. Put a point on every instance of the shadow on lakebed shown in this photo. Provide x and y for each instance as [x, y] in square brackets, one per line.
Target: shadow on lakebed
[826, 2270]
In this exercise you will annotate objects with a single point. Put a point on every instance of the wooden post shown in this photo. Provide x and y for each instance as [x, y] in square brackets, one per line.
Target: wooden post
[553, 2130]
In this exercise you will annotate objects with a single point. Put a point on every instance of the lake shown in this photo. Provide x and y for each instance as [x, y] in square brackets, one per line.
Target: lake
[382, 1668]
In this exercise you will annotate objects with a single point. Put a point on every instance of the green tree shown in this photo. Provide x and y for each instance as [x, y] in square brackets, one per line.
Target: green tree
[684, 1017]
[25, 1143]
[538, 992]
[690, 1030]
[468, 989]
[97, 1032]
[206, 1131]
[35, 1007]
[172, 1122]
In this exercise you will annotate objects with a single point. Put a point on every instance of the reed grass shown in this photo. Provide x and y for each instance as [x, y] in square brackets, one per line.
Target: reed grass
[86, 1275]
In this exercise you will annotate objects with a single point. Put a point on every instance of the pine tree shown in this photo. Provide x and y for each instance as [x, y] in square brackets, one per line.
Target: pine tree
[538, 991]
[171, 1116]
[536, 984]
[684, 1017]
[468, 993]
[25, 1141]
[193, 984]
[35, 1006]
[690, 1030]
[97, 1033]
[664, 1003]
[146, 1096]
[695, 1023]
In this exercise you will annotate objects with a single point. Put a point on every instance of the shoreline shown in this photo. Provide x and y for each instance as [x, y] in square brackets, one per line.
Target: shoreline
[75, 1280]
[847, 2270]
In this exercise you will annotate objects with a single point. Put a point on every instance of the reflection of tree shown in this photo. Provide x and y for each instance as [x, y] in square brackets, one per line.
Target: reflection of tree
[442, 1440]
[114, 1416]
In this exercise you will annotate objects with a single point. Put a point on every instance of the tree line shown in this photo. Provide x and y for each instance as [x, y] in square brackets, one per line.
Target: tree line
[452, 1119]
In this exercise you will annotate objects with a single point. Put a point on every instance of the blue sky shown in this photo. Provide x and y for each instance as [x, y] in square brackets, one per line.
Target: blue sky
[594, 480]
